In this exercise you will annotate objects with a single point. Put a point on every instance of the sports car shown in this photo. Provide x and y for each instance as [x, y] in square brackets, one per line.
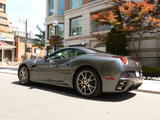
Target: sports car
[87, 71]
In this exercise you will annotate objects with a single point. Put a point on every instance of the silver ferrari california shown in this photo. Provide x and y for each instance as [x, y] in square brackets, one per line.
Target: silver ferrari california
[87, 71]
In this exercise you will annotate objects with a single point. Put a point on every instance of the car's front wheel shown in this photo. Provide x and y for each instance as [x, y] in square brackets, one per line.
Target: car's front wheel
[87, 82]
[23, 75]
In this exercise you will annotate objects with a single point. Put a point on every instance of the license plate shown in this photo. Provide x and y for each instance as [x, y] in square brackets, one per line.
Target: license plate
[137, 74]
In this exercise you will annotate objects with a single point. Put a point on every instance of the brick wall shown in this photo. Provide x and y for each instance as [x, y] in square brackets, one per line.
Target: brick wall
[20, 50]
[86, 1]
[67, 4]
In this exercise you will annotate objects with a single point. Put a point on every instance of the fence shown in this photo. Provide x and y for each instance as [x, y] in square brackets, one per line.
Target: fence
[150, 61]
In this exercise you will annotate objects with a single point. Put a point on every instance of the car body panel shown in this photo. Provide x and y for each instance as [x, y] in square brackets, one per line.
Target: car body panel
[61, 72]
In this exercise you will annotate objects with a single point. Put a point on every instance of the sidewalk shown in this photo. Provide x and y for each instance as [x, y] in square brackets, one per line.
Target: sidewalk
[9, 69]
[148, 86]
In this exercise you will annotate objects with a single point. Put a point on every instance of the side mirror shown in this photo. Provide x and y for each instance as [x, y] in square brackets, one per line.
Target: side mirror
[51, 61]
[46, 58]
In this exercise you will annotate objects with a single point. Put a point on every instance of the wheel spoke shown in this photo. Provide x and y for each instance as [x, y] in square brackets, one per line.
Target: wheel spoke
[83, 76]
[89, 88]
[90, 76]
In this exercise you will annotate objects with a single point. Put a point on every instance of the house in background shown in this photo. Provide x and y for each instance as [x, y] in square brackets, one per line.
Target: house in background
[7, 43]
[32, 50]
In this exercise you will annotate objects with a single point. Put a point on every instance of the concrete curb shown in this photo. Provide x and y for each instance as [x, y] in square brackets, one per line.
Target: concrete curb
[12, 68]
[148, 91]
[8, 73]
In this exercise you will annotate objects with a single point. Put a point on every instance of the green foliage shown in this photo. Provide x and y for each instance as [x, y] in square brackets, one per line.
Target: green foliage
[151, 71]
[116, 42]
[40, 40]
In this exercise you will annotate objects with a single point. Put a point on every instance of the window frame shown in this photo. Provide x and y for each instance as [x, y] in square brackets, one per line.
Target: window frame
[70, 26]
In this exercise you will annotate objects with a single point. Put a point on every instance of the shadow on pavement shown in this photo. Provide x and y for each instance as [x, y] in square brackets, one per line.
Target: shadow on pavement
[105, 97]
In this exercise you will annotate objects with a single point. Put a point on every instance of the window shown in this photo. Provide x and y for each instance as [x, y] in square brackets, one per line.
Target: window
[96, 27]
[51, 30]
[60, 7]
[63, 54]
[61, 30]
[29, 50]
[76, 26]
[50, 7]
[3, 8]
[76, 3]
[80, 52]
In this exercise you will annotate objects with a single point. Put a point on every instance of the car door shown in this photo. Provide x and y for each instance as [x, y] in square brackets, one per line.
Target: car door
[40, 71]
[60, 65]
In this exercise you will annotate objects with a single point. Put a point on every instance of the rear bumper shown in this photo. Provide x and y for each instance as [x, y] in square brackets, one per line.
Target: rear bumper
[122, 85]
[128, 84]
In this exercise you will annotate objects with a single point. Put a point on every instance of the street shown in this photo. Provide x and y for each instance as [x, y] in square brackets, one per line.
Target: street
[46, 102]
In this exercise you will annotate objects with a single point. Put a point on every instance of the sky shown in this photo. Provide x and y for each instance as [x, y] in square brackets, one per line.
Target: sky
[32, 10]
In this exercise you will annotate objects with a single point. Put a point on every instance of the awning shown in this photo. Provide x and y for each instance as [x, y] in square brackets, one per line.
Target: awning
[7, 47]
[4, 38]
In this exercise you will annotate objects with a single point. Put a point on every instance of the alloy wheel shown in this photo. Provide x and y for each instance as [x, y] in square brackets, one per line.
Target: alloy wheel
[23, 75]
[86, 82]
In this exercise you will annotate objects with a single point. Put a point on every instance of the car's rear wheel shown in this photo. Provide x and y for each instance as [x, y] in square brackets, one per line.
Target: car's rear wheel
[87, 82]
[23, 75]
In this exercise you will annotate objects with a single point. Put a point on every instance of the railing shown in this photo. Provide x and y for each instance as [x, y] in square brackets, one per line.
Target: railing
[150, 61]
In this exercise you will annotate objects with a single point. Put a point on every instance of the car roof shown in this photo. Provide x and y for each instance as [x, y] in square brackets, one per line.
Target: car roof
[80, 48]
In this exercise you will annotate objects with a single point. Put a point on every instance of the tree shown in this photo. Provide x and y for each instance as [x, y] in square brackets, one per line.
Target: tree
[131, 18]
[56, 41]
[40, 40]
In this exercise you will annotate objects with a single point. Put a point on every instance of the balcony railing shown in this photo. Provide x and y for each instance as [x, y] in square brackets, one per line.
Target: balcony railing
[150, 61]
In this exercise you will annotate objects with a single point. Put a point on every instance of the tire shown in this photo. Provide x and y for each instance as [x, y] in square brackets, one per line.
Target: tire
[87, 83]
[23, 75]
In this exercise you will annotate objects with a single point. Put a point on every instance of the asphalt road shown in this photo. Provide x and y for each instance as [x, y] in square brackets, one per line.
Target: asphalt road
[45, 102]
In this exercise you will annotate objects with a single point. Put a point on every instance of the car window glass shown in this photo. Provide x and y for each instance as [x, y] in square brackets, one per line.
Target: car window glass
[67, 53]
[80, 52]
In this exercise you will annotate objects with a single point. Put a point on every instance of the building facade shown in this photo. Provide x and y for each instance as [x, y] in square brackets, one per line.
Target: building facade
[54, 18]
[78, 24]
[7, 44]
[78, 27]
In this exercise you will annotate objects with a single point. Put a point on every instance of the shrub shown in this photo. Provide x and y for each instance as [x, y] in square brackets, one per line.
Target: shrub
[151, 71]
[116, 42]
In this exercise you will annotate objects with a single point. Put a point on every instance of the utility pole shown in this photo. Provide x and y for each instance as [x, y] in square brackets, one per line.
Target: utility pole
[26, 38]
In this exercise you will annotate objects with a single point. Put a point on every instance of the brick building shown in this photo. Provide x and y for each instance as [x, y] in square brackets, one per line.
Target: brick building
[31, 51]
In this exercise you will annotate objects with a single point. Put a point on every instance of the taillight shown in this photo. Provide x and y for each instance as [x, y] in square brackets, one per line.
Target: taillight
[124, 59]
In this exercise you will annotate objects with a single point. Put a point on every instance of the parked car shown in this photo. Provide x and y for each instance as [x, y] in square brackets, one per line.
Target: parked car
[87, 71]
